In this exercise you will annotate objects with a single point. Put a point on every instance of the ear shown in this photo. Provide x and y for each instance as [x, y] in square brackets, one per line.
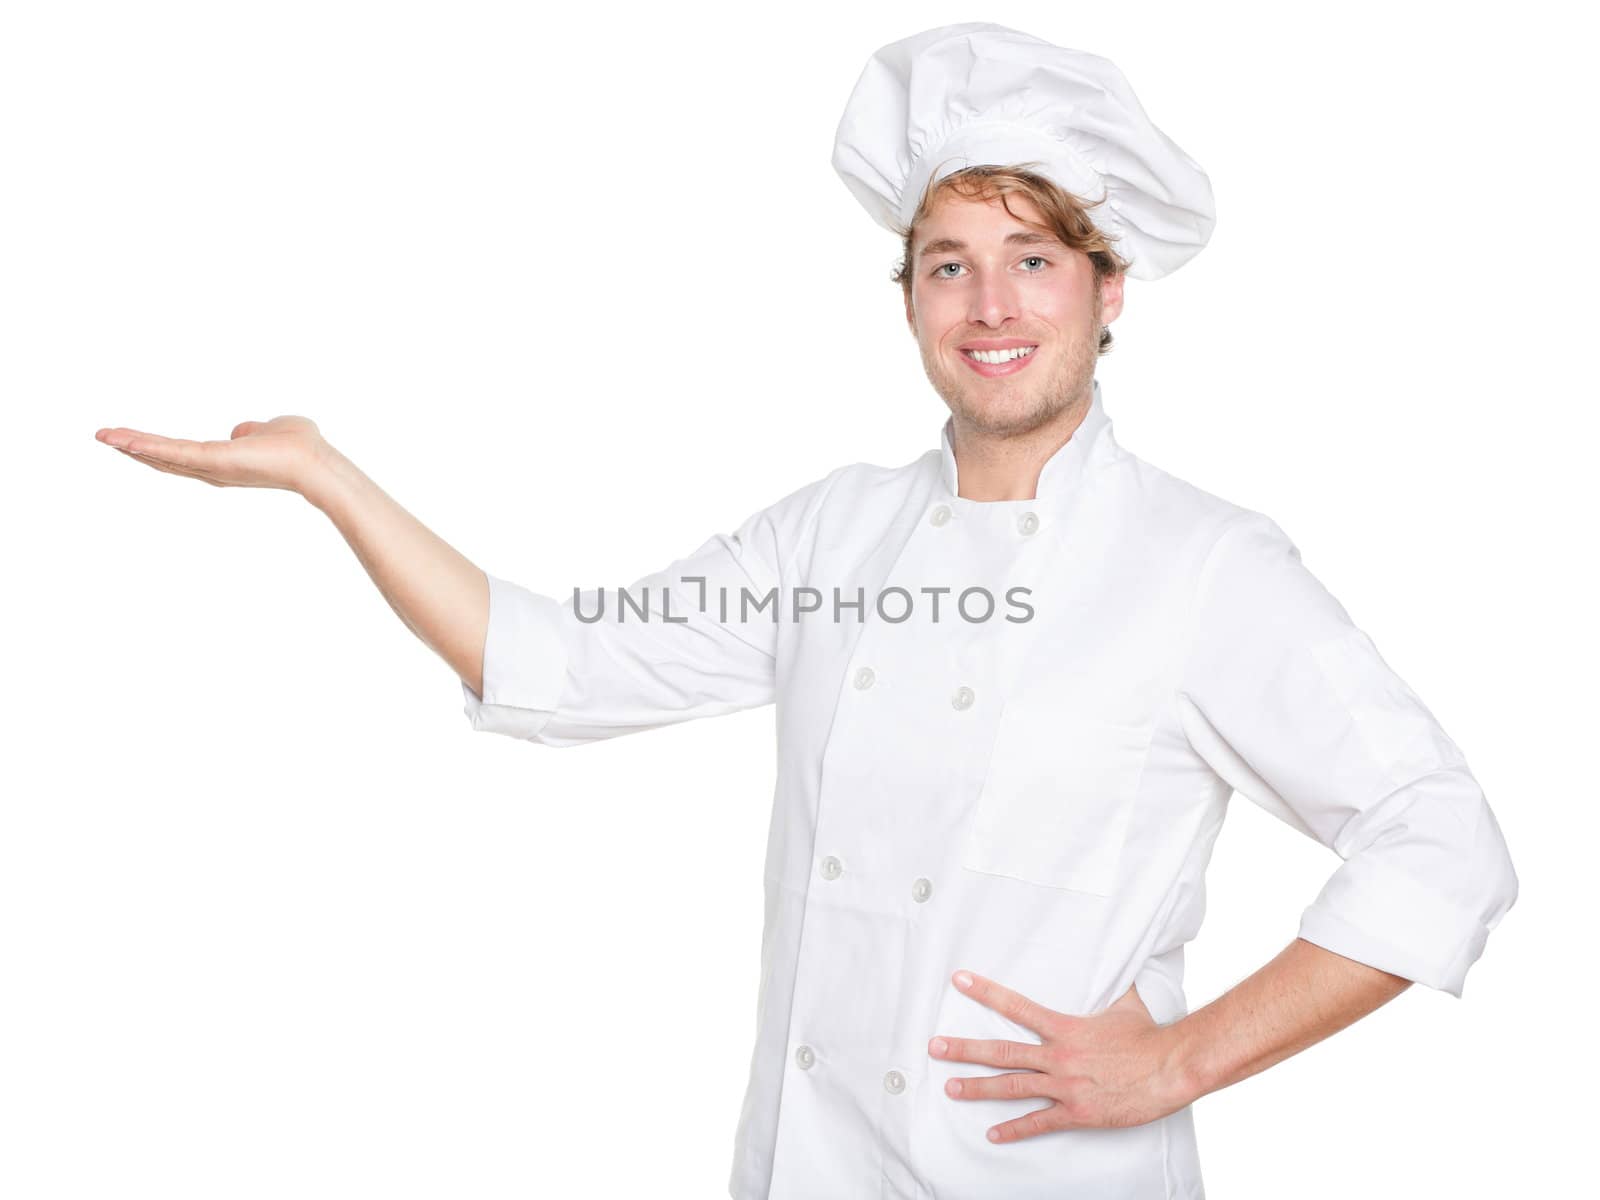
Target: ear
[1111, 297]
[911, 316]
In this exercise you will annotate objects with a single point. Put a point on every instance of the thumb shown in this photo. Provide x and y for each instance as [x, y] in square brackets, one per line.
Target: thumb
[245, 429]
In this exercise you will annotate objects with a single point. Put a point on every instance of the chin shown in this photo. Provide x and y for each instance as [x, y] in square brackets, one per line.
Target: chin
[1007, 414]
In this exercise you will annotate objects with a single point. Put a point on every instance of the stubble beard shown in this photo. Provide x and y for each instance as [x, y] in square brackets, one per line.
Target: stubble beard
[1017, 404]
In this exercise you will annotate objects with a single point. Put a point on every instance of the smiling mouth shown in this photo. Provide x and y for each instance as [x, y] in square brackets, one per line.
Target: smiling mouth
[992, 364]
[999, 357]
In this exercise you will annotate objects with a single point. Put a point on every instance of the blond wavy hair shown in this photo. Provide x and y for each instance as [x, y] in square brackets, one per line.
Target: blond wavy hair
[1066, 218]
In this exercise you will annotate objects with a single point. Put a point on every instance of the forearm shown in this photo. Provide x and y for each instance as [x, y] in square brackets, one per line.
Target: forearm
[435, 590]
[1303, 995]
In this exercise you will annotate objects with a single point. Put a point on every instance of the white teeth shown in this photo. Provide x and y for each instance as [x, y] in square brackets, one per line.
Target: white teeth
[995, 357]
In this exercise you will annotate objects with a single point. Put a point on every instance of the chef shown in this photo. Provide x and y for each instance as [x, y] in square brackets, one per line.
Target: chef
[1017, 681]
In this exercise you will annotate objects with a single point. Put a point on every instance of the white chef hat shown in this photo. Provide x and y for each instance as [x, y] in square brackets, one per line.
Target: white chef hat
[977, 93]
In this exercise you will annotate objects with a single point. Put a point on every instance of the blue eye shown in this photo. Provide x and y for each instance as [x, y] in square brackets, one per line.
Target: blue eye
[1043, 262]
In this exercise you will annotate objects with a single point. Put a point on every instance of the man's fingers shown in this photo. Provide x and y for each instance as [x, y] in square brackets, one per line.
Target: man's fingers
[122, 437]
[193, 455]
[1015, 1085]
[1043, 1120]
[169, 468]
[180, 451]
[166, 467]
[1008, 1003]
[991, 1052]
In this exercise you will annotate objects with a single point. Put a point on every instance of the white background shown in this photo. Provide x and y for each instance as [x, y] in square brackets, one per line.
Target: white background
[580, 289]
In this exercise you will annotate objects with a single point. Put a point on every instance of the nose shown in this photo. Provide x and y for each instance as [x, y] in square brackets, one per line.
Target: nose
[993, 298]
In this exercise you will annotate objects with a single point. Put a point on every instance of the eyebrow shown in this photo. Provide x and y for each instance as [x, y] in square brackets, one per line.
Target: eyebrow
[948, 245]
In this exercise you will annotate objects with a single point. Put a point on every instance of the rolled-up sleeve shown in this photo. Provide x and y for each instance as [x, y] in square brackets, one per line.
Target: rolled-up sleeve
[697, 638]
[524, 662]
[1293, 706]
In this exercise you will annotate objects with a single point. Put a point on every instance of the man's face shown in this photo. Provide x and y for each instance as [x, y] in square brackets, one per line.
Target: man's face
[983, 278]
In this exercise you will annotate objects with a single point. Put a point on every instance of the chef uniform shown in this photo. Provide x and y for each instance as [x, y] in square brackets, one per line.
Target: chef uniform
[1028, 786]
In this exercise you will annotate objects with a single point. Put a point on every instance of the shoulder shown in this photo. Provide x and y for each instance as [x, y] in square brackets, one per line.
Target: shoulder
[860, 483]
[859, 495]
[1239, 567]
[785, 527]
[780, 525]
[1174, 516]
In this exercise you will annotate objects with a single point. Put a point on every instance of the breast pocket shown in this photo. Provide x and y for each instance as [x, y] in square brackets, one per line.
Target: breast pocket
[1057, 798]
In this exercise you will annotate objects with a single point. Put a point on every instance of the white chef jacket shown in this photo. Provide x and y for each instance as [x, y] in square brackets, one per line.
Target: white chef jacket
[1035, 800]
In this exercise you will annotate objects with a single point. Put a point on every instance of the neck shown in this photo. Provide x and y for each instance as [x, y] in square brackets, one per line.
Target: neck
[1006, 466]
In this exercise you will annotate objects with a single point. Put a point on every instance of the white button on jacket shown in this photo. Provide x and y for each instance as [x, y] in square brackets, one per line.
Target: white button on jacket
[1034, 799]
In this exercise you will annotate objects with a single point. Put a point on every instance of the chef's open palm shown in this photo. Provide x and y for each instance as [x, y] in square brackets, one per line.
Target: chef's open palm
[274, 454]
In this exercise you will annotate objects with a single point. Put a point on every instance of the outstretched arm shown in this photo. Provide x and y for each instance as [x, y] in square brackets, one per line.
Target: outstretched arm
[434, 589]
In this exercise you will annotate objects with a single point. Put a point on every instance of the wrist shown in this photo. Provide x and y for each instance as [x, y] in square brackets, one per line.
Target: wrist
[324, 476]
[1183, 1077]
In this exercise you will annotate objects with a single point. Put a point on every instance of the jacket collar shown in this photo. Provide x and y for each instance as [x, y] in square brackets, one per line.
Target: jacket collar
[1059, 476]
